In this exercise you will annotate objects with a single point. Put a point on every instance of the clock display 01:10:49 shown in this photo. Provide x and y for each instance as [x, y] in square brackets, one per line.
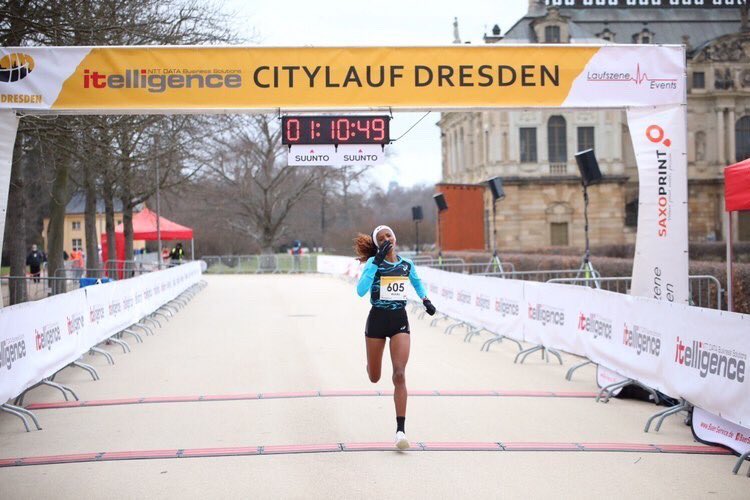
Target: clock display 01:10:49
[335, 130]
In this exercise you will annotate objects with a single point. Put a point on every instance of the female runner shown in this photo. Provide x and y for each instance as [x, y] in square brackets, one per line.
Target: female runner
[384, 276]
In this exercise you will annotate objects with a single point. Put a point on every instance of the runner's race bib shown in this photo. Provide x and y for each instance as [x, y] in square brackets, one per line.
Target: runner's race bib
[393, 287]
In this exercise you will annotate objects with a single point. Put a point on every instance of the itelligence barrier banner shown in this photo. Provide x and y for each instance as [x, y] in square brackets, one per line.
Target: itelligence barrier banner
[683, 351]
[39, 338]
[138, 78]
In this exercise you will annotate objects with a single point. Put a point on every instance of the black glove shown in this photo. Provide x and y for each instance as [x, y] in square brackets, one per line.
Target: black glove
[430, 308]
[382, 253]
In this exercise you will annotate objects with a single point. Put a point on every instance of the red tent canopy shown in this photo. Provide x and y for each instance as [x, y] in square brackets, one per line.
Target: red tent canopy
[144, 228]
[737, 186]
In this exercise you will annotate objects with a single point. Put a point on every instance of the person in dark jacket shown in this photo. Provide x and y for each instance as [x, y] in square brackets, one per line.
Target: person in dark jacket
[34, 260]
[177, 254]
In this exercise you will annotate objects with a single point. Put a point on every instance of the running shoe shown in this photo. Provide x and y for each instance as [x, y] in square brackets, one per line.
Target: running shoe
[401, 442]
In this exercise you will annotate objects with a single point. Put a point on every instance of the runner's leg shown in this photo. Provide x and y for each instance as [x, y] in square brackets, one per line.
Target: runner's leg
[400, 345]
[375, 348]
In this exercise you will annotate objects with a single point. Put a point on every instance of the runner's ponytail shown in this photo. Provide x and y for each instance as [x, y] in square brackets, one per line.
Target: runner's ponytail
[364, 247]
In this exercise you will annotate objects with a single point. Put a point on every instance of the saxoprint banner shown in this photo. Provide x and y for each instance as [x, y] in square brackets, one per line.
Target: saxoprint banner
[660, 266]
[138, 78]
[39, 338]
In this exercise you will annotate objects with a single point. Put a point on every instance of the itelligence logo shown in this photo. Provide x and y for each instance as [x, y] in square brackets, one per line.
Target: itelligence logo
[49, 335]
[547, 314]
[711, 359]
[642, 340]
[158, 81]
[507, 307]
[595, 324]
[12, 350]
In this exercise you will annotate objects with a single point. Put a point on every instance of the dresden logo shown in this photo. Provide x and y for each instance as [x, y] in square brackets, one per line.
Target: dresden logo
[14, 67]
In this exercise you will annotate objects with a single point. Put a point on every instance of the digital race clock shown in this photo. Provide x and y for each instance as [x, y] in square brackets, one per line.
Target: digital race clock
[335, 130]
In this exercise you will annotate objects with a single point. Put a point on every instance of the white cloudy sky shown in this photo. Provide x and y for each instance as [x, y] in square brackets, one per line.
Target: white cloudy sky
[416, 158]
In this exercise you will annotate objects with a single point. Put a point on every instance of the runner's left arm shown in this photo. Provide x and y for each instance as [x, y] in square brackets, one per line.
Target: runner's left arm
[416, 282]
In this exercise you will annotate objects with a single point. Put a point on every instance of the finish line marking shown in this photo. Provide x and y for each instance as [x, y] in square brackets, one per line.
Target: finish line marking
[305, 394]
[109, 456]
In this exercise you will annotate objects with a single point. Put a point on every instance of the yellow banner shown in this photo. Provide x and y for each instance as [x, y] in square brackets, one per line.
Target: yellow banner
[185, 78]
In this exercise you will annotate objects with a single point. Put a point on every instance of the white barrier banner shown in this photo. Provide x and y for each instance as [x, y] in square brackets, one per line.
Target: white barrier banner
[335, 264]
[39, 338]
[660, 266]
[711, 429]
[491, 303]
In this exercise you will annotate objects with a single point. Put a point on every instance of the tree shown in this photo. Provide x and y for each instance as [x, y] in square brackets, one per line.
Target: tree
[254, 187]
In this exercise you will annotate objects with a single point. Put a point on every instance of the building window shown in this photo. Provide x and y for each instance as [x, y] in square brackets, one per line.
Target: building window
[644, 36]
[551, 34]
[742, 138]
[606, 35]
[557, 140]
[77, 244]
[585, 138]
[631, 214]
[528, 144]
[699, 80]
[700, 146]
[559, 234]
[76, 225]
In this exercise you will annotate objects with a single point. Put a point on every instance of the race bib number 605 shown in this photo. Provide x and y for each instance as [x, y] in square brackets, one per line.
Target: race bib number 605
[393, 288]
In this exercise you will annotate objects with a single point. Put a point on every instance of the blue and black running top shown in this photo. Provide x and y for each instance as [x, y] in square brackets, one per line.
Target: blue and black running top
[370, 280]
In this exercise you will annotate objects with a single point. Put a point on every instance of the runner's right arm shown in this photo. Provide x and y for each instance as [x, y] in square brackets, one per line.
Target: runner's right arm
[368, 276]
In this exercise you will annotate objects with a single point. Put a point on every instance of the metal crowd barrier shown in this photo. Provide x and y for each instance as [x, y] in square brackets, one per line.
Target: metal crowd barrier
[456, 265]
[28, 288]
[260, 264]
[543, 275]
[145, 326]
[705, 290]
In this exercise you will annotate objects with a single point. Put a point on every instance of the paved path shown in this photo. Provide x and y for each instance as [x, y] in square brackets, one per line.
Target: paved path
[254, 362]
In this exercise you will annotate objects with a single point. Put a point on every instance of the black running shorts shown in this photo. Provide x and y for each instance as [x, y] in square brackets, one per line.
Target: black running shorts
[385, 323]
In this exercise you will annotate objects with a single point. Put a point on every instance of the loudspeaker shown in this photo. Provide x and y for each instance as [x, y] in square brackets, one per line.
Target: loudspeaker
[416, 213]
[589, 167]
[496, 186]
[440, 202]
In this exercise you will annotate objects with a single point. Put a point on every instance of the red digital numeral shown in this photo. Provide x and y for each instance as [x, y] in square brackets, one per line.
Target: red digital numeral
[378, 126]
[342, 130]
[365, 129]
[292, 130]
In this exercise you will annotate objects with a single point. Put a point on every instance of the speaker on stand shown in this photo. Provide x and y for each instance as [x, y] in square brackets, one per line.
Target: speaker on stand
[442, 205]
[590, 175]
[496, 188]
[417, 216]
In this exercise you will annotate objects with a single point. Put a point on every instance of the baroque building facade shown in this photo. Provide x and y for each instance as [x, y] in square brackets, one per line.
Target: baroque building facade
[533, 150]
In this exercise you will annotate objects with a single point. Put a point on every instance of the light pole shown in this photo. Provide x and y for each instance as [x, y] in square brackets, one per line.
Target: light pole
[158, 203]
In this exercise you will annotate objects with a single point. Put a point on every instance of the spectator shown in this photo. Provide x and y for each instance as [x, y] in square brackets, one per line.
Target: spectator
[34, 260]
[177, 254]
[77, 262]
[297, 255]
